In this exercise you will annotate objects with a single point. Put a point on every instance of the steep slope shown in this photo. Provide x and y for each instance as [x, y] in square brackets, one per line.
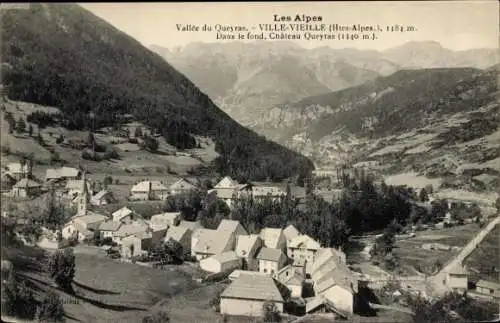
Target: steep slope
[264, 65]
[64, 56]
[438, 122]
[252, 77]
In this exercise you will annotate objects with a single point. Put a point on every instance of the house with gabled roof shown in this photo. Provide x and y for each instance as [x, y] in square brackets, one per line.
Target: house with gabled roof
[182, 186]
[457, 278]
[108, 228]
[182, 235]
[165, 220]
[26, 188]
[228, 190]
[127, 229]
[489, 288]
[148, 190]
[293, 278]
[84, 226]
[334, 281]
[247, 294]
[136, 244]
[213, 242]
[124, 215]
[273, 238]
[233, 226]
[303, 248]
[221, 262]
[271, 260]
[103, 197]
[247, 247]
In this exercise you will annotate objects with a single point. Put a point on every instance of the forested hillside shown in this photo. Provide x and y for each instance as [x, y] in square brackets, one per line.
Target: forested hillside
[64, 56]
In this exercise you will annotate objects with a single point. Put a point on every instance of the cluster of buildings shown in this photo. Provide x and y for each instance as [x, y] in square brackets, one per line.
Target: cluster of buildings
[458, 280]
[275, 265]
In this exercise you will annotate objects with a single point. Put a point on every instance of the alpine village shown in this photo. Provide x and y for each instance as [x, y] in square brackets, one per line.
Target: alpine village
[132, 191]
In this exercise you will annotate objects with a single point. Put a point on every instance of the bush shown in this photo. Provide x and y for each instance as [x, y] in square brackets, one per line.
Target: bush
[51, 309]
[61, 267]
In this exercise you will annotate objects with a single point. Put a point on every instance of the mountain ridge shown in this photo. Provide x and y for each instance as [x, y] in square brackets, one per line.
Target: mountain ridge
[334, 69]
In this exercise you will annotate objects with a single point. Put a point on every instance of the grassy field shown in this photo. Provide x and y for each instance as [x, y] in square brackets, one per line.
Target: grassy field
[112, 291]
[411, 254]
[486, 255]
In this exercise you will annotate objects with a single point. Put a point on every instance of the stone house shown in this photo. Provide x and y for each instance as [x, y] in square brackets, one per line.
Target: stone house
[247, 248]
[182, 235]
[271, 260]
[247, 294]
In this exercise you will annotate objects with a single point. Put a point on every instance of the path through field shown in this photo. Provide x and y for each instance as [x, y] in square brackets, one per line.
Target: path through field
[436, 282]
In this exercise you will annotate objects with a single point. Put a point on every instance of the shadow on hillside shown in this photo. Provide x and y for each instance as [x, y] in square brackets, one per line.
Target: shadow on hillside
[95, 290]
[118, 308]
[71, 317]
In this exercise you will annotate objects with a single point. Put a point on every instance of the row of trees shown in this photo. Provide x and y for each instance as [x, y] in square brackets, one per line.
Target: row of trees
[362, 207]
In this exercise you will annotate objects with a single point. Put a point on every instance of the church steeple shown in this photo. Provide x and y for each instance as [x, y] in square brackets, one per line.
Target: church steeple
[83, 197]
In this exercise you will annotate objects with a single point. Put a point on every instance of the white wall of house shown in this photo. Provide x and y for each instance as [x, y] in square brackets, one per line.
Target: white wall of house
[302, 254]
[139, 196]
[456, 282]
[269, 267]
[213, 265]
[244, 307]
[341, 298]
[106, 234]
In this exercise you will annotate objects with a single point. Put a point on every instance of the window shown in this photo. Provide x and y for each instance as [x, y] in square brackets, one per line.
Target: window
[265, 270]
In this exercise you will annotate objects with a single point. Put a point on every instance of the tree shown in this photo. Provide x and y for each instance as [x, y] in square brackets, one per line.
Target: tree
[61, 267]
[150, 144]
[9, 118]
[108, 180]
[51, 309]
[91, 140]
[30, 130]
[21, 125]
[60, 139]
[17, 299]
[424, 196]
[138, 132]
[157, 317]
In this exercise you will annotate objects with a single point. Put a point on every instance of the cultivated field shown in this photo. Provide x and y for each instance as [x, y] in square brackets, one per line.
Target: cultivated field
[485, 256]
[411, 253]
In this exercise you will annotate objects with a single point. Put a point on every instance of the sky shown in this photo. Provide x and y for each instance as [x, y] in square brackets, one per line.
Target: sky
[457, 25]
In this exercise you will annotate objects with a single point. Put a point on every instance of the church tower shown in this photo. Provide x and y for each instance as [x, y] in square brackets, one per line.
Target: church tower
[83, 198]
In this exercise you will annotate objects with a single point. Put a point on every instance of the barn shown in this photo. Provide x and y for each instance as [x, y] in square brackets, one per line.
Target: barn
[247, 295]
